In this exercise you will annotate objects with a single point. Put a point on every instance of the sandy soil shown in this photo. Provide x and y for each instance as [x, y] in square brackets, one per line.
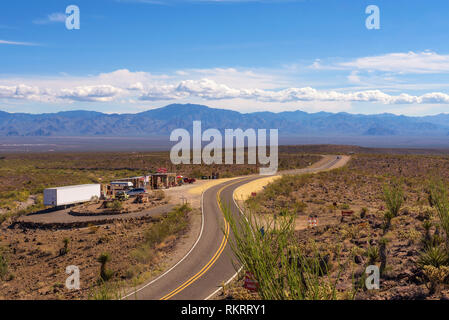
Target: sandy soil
[352, 242]
[244, 192]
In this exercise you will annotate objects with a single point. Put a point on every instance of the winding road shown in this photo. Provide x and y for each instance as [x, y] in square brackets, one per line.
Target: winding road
[209, 263]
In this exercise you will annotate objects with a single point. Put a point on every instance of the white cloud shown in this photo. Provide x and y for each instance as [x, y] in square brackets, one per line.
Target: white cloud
[51, 18]
[101, 93]
[410, 62]
[17, 43]
[25, 92]
[210, 90]
[227, 85]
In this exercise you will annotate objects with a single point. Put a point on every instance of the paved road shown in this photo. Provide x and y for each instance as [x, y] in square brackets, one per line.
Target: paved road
[63, 218]
[209, 263]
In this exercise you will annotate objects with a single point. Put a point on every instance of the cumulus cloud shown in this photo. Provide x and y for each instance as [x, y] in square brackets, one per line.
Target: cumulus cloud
[25, 92]
[210, 90]
[101, 93]
[126, 86]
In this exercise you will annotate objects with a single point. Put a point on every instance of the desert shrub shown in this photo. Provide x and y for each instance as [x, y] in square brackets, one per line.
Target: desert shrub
[394, 197]
[3, 266]
[350, 231]
[300, 207]
[372, 253]
[143, 254]
[277, 262]
[105, 274]
[388, 215]
[435, 277]
[106, 291]
[412, 235]
[65, 249]
[383, 254]
[283, 212]
[433, 256]
[116, 205]
[439, 198]
[174, 222]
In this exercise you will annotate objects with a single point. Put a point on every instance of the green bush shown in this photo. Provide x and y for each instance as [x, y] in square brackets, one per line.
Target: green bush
[440, 200]
[433, 256]
[116, 205]
[372, 253]
[105, 274]
[174, 222]
[65, 249]
[3, 266]
[106, 291]
[282, 269]
[393, 197]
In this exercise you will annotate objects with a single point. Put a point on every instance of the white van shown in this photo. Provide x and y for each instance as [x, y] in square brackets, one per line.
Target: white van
[122, 184]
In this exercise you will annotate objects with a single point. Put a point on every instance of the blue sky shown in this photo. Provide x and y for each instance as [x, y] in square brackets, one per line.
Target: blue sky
[313, 55]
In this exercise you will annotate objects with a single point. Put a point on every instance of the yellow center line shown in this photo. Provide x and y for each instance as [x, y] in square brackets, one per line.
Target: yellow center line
[214, 258]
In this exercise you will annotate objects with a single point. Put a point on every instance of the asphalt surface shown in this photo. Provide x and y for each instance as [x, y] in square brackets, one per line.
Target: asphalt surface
[63, 217]
[210, 262]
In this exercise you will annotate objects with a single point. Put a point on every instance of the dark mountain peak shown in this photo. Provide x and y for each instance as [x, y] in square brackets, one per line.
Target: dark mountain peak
[178, 107]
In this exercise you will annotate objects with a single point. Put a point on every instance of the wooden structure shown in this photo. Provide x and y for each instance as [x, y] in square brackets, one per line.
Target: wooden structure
[163, 180]
[138, 182]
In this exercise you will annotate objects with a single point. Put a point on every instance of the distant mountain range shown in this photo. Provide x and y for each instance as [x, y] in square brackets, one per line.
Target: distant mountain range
[162, 121]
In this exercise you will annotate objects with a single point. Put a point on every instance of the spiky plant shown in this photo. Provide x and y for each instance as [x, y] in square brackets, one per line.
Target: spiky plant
[393, 197]
[440, 200]
[275, 259]
[433, 256]
[372, 253]
[105, 274]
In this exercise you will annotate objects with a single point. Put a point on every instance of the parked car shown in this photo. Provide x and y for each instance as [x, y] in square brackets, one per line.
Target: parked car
[189, 180]
[121, 196]
[136, 191]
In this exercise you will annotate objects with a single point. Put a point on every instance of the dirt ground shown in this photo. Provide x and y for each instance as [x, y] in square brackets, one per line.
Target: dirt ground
[358, 187]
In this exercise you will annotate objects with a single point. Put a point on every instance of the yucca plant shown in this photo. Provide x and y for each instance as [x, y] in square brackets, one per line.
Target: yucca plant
[433, 256]
[440, 200]
[64, 250]
[276, 261]
[105, 274]
[393, 197]
[383, 254]
[372, 253]
[388, 215]
[3, 266]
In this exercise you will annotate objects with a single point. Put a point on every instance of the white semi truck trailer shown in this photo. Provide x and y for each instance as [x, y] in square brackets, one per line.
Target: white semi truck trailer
[62, 196]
